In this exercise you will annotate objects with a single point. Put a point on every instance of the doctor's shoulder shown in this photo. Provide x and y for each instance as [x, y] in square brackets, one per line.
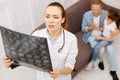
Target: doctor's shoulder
[70, 35]
[39, 33]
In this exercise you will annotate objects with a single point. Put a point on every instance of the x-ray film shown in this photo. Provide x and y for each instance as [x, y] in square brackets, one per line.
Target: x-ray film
[27, 50]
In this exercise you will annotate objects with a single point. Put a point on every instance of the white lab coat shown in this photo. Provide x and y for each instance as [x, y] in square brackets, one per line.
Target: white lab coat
[62, 59]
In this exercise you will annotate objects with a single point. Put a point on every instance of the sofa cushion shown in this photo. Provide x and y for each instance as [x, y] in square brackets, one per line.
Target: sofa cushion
[84, 54]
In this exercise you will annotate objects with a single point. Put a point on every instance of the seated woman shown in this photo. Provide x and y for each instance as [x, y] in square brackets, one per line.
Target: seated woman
[62, 45]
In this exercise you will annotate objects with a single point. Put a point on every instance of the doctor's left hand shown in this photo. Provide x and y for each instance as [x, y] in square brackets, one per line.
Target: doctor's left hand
[55, 73]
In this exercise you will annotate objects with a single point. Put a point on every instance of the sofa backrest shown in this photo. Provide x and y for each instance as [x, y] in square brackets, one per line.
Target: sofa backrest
[75, 15]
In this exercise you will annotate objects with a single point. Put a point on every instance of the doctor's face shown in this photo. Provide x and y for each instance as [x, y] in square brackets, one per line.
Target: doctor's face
[53, 18]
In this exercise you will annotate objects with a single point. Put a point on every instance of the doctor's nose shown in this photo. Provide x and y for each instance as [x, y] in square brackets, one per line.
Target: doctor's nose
[51, 20]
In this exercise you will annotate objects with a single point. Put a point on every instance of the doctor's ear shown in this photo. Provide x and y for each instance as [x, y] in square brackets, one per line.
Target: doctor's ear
[63, 20]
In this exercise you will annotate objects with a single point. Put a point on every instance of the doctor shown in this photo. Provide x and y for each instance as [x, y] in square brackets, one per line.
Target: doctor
[62, 44]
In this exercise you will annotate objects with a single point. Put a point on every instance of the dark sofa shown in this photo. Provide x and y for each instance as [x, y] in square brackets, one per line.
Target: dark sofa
[75, 15]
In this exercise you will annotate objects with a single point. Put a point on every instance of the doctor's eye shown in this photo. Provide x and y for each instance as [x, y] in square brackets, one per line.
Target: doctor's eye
[47, 16]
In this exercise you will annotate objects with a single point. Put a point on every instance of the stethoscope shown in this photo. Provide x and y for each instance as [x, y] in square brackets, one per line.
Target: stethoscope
[61, 48]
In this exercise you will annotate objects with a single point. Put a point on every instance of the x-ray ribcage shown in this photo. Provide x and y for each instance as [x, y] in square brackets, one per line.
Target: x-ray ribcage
[27, 50]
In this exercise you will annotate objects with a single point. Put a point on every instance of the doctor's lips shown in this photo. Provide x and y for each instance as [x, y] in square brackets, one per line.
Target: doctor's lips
[51, 26]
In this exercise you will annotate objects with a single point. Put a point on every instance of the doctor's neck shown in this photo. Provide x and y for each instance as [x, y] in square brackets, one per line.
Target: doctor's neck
[55, 34]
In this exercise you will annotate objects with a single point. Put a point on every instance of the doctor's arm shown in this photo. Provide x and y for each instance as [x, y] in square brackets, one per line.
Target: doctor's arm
[69, 62]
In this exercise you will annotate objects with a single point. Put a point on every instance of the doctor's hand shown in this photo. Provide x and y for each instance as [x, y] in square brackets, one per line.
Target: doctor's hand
[7, 62]
[55, 73]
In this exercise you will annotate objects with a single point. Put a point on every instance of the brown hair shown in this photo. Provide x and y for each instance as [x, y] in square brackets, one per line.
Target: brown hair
[98, 2]
[64, 24]
[114, 16]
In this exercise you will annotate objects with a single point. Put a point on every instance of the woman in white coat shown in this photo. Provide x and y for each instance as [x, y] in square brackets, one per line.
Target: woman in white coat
[62, 44]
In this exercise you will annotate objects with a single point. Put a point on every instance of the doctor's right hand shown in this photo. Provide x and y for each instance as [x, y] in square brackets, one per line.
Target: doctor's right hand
[7, 62]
